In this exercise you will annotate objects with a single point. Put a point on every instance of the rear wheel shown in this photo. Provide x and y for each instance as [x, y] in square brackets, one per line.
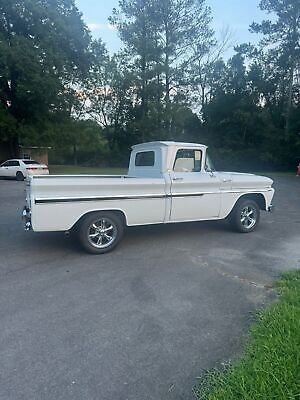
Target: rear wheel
[100, 232]
[20, 176]
[245, 216]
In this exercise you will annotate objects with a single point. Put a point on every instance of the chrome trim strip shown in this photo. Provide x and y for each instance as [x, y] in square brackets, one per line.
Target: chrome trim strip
[136, 197]
[110, 198]
[93, 198]
[80, 176]
[247, 190]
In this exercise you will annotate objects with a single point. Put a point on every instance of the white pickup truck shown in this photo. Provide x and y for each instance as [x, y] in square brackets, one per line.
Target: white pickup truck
[167, 182]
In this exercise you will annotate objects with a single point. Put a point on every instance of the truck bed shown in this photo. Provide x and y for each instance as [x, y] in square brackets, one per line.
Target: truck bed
[58, 201]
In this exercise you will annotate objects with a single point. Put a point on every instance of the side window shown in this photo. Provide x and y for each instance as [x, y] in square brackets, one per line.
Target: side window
[145, 159]
[13, 163]
[188, 161]
[5, 164]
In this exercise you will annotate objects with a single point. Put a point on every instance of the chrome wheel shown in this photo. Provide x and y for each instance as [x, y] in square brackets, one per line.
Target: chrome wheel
[245, 215]
[102, 233]
[248, 217]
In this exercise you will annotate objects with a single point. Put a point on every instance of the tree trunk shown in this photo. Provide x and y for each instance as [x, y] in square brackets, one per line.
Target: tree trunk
[294, 45]
[75, 159]
[14, 147]
[143, 95]
[167, 83]
[289, 104]
[144, 100]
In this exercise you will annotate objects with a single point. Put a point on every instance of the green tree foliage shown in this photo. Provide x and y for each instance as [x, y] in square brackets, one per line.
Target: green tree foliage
[59, 87]
[137, 26]
[44, 50]
[81, 142]
[282, 38]
[252, 117]
[233, 116]
[184, 34]
[108, 97]
[206, 69]
[161, 38]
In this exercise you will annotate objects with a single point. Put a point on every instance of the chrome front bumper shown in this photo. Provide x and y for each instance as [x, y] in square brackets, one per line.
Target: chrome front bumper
[26, 217]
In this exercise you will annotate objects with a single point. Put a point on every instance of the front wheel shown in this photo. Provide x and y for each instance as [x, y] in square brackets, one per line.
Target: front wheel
[100, 232]
[245, 216]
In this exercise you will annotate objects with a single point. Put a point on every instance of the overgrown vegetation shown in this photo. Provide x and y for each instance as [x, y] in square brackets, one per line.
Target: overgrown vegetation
[61, 88]
[270, 368]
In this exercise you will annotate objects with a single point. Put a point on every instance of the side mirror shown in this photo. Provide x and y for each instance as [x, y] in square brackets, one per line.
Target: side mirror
[210, 171]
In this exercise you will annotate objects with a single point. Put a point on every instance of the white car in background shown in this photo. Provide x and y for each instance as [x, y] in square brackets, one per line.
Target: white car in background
[21, 169]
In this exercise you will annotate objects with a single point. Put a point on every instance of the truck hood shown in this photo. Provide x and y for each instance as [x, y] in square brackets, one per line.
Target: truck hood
[245, 181]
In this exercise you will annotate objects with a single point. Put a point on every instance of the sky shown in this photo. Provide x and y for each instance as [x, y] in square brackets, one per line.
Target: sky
[235, 14]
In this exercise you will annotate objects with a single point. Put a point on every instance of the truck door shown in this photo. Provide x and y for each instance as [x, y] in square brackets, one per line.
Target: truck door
[195, 193]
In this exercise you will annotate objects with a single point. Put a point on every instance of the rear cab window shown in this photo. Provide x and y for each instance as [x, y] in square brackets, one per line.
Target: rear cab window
[145, 159]
[188, 160]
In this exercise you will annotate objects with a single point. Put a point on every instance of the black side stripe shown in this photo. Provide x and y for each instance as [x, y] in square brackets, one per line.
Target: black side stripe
[88, 199]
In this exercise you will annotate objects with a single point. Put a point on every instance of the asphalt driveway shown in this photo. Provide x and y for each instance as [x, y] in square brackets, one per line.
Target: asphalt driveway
[143, 321]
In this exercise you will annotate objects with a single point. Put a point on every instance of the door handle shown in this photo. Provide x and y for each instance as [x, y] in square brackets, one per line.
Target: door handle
[177, 179]
[227, 180]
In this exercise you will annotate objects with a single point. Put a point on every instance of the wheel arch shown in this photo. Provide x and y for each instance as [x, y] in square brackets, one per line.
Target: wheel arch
[259, 198]
[117, 212]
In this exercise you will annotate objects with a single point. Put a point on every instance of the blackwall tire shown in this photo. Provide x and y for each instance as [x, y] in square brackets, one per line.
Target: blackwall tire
[245, 216]
[19, 176]
[100, 232]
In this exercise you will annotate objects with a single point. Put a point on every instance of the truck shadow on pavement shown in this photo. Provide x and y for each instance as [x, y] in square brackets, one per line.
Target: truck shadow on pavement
[137, 236]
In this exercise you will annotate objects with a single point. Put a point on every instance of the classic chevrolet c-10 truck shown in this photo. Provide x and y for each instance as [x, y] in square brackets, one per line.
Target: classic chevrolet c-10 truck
[167, 182]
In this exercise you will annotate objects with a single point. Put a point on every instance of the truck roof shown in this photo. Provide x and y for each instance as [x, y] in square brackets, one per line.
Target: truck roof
[168, 143]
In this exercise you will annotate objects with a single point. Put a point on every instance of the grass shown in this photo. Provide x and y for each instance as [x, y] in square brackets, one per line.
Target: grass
[270, 367]
[74, 170]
